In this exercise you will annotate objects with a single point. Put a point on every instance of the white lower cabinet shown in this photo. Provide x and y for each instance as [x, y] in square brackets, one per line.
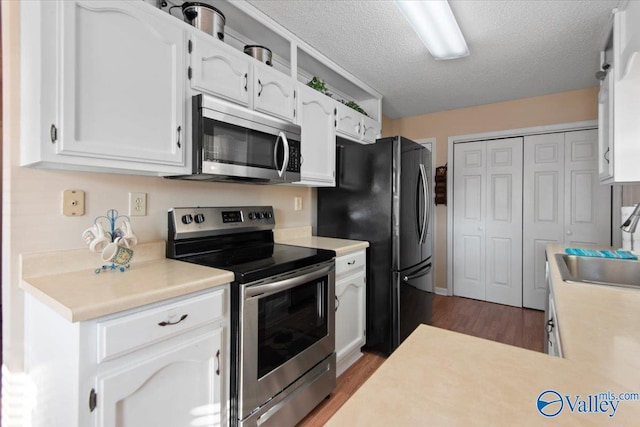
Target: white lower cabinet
[552, 333]
[177, 386]
[350, 308]
[162, 365]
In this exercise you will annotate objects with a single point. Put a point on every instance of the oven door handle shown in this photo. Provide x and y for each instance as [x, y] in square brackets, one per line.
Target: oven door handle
[283, 285]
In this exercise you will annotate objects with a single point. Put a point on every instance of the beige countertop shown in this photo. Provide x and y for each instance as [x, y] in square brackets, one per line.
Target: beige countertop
[301, 236]
[66, 282]
[598, 324]
[442, 378]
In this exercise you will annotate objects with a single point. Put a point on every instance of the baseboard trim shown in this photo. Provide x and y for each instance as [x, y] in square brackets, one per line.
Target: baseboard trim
[440, 291]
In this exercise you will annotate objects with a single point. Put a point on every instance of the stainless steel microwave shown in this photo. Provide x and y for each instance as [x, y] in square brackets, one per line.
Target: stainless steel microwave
[233, 143]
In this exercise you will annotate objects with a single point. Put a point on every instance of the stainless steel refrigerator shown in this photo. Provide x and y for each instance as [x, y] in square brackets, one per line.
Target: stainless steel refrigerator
[383, 194]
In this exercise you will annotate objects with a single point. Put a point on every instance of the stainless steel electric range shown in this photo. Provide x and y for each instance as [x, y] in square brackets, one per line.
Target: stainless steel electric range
[282, 315]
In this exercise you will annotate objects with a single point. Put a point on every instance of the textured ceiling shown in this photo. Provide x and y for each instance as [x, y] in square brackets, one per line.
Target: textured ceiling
[518, 48]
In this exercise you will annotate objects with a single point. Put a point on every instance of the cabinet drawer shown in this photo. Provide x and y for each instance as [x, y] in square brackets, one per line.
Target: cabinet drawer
[125, 334]
[349, 263]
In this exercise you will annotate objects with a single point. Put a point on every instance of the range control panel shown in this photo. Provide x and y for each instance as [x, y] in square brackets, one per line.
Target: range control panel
[211, 221]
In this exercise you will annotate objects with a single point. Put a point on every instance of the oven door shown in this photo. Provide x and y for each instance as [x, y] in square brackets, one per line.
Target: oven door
[238, 143]
[287, 327]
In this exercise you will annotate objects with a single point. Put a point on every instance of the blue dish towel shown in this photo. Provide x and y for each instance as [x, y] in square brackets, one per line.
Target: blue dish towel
[619, 254]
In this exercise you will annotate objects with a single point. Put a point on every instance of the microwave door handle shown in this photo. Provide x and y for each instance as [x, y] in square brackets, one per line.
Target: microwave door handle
[285, 162]
[275, 153]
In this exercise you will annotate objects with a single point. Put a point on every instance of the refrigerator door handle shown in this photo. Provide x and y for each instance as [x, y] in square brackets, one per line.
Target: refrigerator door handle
[427, 203]
[425, 216]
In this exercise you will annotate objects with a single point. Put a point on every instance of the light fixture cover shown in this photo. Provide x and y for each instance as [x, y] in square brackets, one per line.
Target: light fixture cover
[436, 26]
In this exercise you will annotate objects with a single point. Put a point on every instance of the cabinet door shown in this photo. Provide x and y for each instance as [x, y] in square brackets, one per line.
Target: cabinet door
[315, 116]
[350, 315]
[587, 203]
[348, 122]
[181, 386]
[218, 69]
[274, 92]
[605, 123]
[370, 130]
[121, 83]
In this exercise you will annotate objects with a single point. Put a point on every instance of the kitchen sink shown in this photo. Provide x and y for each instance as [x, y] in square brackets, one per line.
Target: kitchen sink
[599, 271]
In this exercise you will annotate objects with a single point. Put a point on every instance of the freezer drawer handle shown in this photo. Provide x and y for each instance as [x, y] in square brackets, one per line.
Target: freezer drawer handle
[418, 273]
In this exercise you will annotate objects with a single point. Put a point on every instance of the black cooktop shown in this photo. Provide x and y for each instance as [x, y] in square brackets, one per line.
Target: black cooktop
[257, 262]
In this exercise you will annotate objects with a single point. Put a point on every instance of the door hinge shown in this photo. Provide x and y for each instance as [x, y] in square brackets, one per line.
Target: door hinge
[294, 112]
[54, 133]
[93, 400]
[189, 46]
[189, 73]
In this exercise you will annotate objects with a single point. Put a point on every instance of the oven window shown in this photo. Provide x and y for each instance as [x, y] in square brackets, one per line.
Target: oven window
[227, 143]
[290, 322]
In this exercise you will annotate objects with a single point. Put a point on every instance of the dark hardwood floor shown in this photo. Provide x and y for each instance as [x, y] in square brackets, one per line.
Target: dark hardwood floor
[520, 327]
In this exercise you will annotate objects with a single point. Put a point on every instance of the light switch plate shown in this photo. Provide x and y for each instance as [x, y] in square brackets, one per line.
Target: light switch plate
[73, 202]
[297, 203]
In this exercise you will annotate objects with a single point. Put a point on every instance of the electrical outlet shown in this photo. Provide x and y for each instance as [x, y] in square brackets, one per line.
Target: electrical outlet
[297, 203]
[137, 204]
[73, 202]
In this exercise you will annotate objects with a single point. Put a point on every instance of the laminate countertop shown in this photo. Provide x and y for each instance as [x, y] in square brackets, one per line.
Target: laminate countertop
[443, 378]
[598, 324]
[66, 282]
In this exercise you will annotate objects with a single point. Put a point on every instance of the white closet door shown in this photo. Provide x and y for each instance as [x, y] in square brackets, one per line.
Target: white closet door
[543, 216]
[587, 203]
[504, 221]
[469, 187]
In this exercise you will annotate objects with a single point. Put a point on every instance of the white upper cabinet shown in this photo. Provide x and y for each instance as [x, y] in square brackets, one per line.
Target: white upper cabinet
[356, 126]
[370, 130]
[106, 86]
[618, 99]
[219, 69]
[274, 92]
[318, 142]
[117, 99]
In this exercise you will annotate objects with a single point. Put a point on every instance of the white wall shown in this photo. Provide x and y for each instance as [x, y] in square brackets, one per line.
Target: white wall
[33, 221]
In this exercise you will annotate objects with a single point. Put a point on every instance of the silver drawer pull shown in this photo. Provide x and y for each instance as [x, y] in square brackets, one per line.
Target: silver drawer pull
[184, 316]
[351, 262]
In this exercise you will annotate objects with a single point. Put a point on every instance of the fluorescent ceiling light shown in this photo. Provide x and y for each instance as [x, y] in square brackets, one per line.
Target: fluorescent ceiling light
[435, 24]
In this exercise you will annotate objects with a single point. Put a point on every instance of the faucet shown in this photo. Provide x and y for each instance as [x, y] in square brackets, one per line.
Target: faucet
[631, 223]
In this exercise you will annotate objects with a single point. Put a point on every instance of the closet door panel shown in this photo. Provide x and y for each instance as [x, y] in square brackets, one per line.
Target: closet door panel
[543, 213]
[504, 221]
[469, 183]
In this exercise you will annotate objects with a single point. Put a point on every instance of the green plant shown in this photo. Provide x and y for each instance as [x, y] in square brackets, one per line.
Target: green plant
[356, 107]
[318, 84]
